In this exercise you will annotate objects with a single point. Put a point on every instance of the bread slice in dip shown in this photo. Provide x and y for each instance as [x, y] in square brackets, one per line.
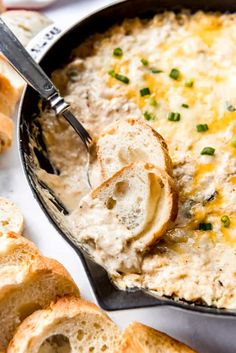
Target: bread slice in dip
[128, 141]
[125, 215]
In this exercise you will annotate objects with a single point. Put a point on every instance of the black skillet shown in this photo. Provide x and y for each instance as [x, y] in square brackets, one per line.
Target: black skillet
[109, 297]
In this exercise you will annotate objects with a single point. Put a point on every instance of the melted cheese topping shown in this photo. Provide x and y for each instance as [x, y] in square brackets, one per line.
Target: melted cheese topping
[187, 263]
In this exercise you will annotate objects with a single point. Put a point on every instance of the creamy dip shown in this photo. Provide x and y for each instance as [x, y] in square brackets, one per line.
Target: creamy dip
[188, 263]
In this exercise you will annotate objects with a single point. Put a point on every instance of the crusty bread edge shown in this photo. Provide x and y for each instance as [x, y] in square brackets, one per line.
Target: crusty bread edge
[133, 330]
[173, 198]
[132, 121]
[63, 308]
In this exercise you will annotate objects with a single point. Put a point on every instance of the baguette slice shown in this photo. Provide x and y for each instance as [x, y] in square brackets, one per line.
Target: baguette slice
[6, 132]
[129, 211]
[129, 141]
[69, 325]
[15, 251]
[16, 255]
[41, 282]
[25, 24]
[138, 338]
[7, 71]
[11, 219]
[8, 96]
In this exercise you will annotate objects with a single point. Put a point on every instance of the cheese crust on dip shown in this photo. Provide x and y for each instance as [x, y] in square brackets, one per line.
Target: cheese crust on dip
[179, 73]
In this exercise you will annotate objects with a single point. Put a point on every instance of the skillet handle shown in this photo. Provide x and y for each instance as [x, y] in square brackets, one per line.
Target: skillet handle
[24, 64]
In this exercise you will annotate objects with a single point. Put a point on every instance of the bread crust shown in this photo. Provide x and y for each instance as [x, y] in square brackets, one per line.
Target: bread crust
[6, 132]
[173, 198]
[8, 96]
[11, 242]
[51, 280]
[144, 126]
[41, 322]
[138, 338]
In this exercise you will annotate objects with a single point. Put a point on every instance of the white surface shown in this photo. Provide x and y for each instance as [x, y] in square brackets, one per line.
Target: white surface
[206, 334]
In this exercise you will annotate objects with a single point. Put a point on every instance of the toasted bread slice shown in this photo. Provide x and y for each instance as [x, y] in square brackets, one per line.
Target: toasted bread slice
[25, 24]
[6, 132]
[134, 208]
[8, 96]
[7, 71]
[129, 141]
[72, 324]
[31, 288]
[16, 250]
[11, 219]
[138, 338]
[16, 255]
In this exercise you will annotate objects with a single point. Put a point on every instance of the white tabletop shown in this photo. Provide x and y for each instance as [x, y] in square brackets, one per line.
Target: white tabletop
[207, 334]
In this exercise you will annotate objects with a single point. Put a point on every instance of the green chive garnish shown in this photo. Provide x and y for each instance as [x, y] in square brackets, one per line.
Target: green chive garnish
[174, 74]
[145, 92]
[149, 116]
[112, 73]
[233, 141]
[226, 221]
[122, 78]
[144, 62]
[189, 82]
[202, 127]
[174, 116]
[205, 226]
[230, 107]
[117, 52]
[208, 151]
[155, 71]
[153, 102]
[119, 77]
[185, 105]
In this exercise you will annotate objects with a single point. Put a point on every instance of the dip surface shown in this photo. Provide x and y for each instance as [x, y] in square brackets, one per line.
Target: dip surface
[188, 263]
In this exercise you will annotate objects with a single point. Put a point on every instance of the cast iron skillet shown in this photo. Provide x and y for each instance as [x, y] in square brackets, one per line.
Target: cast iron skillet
[109, 297]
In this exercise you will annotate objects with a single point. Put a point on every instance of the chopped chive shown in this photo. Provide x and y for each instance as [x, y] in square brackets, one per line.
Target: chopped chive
[155, 71]
[205, 226]
[174, 74]
[184, 105]
[117, 52]
[144, 62]
[119, 77]
[226, 221]
[122, 78]
[189, 82]
[208, 151]
[233, 141]
[112, 73]
[174, 116]
[230, 107]
[149, 116]
[153, 102]
[202, 127]
[144, 92]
